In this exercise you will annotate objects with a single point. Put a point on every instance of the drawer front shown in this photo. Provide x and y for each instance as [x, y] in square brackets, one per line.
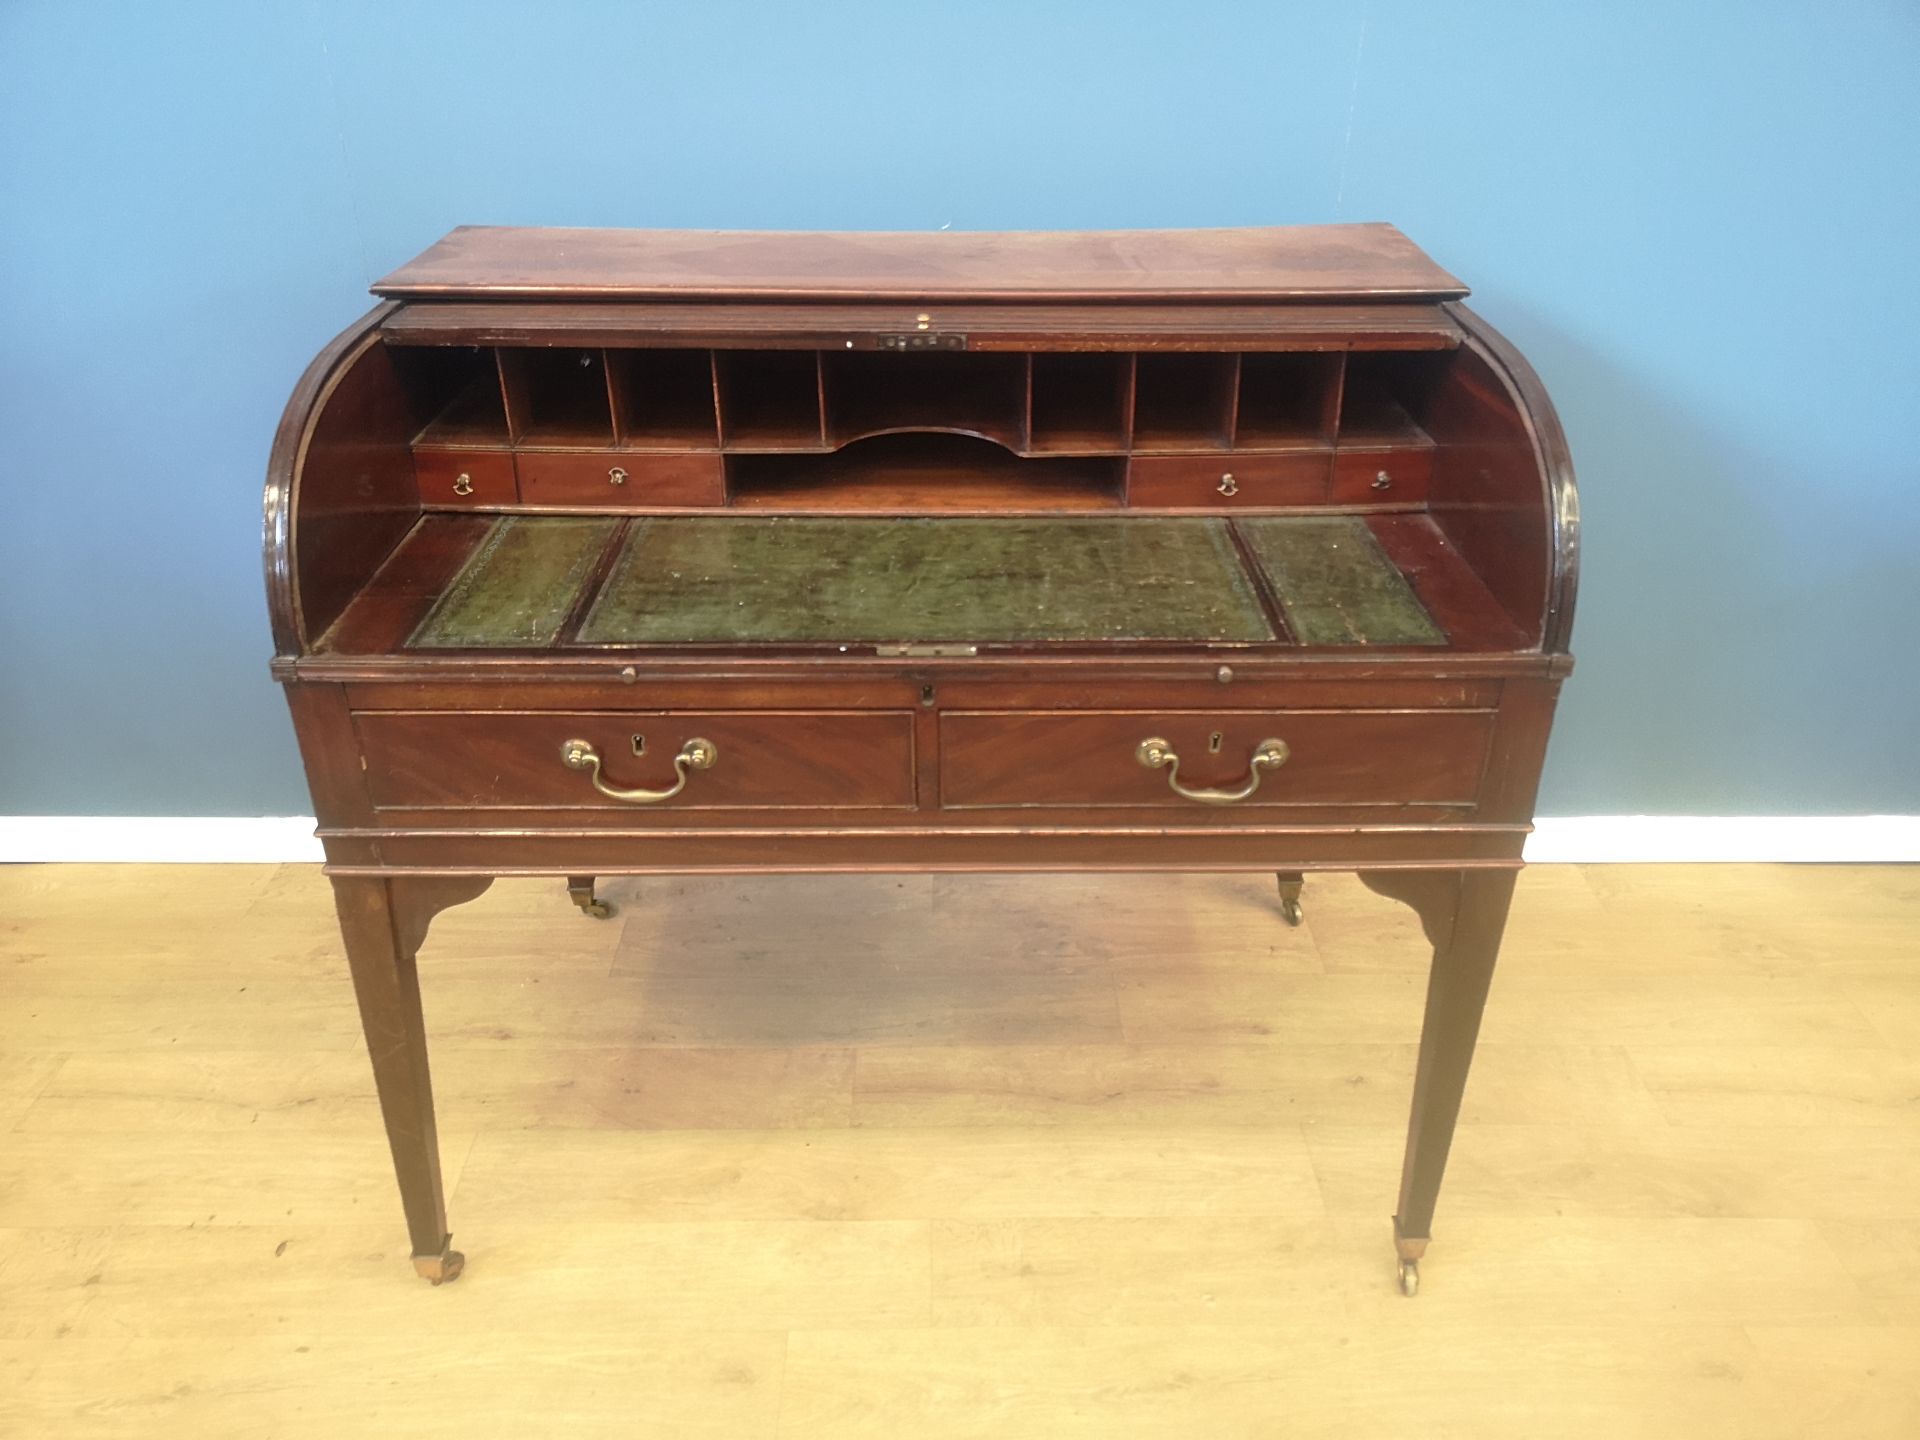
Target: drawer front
[1363, 477]
[760, 760]
[464, 477]
[603, 478]
[1334, 757]
[1183, 480]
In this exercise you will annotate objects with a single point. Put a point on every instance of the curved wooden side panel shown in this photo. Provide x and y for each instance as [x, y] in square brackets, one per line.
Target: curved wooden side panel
[339, 483]
[1511, 507]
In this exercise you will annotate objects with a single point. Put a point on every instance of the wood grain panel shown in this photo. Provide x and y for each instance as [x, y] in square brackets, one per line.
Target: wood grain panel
[619, 479]
[1249, 263]
[766, 760]
[1355, 757]
[1227, 481]
[353, 490]
[1372, 477]
[465, 477]
[618, 324]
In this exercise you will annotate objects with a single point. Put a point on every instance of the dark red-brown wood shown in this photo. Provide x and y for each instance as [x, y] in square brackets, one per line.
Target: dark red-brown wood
[1319, 262]
[1328, 370]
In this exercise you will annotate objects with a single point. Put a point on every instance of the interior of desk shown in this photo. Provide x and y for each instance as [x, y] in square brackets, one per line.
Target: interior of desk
[461, 583]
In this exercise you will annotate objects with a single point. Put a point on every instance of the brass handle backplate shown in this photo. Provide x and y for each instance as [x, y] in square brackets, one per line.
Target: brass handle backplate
[694, 755]
[1156, 754]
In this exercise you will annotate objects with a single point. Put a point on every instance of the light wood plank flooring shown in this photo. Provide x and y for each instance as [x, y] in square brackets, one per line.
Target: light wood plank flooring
[932, 1157]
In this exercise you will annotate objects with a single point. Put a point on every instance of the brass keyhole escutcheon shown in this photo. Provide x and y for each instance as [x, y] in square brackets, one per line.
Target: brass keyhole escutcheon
[463, 484]
[639, 744]
[617, 476]
[1228, 485]
[1213, 742]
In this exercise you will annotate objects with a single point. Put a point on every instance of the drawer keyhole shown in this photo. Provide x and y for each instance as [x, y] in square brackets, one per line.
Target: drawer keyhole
[639, 744]
[1213, 743]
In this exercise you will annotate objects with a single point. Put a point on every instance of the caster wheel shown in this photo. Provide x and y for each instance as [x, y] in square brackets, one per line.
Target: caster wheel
[1409, 1278]
[580, 891]
[1290, 911]
[440, 1269]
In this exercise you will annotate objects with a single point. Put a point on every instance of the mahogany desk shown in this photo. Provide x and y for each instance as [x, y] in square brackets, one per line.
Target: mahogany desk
[633, 552]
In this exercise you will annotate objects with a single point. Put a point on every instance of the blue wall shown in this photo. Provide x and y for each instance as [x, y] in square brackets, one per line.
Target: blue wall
[1700, 220]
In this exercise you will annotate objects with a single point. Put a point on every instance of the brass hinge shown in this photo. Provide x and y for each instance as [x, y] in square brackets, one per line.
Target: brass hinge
[925, 651]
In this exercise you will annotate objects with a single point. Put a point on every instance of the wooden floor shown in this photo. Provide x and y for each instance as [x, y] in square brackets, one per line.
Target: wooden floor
[936, 1157]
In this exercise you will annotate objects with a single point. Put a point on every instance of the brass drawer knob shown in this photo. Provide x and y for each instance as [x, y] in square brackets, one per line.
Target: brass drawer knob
[1157, 754]
[1228, 485]
[463, 484]
[1383, 481]
[694, 755]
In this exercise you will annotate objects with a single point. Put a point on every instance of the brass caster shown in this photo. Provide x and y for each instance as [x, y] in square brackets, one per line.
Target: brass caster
[580, 891]
[440, 1269]
[1409, 1278]
[1292, 882]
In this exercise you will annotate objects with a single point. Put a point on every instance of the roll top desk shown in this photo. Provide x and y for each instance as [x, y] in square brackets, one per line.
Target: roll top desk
[631, 552]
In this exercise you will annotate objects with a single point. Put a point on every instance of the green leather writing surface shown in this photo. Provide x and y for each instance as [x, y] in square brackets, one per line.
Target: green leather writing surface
[519, 585]
[1335, 584]
[772, 579]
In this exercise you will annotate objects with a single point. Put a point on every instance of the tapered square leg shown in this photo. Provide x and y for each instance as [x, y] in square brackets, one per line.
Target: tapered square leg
[380, 943]
[1464, 913]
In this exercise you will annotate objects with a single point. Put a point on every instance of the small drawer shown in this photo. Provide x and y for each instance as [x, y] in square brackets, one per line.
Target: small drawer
[1331, 757]
[604, 478]
[464, 477]
[823, 760]
[1363, 477]
[1188, 481]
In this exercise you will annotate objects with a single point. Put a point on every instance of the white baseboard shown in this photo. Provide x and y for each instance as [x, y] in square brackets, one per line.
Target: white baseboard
[1664, 839]
[158, 839]
[1583, 839]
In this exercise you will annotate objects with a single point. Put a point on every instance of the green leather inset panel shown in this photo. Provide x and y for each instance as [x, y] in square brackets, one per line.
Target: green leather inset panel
[1335, 584]
[519, 585]
[771, 579]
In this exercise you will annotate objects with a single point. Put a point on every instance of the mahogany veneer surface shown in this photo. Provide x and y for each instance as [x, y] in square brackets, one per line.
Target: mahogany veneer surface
[601, 552]
[1308, 261]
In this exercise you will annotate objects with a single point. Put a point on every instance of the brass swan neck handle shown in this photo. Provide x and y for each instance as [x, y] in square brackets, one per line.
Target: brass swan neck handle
[696, 754]
[1157, 754]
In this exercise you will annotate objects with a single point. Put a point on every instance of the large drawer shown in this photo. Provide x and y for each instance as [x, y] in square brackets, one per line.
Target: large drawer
[1093, 758]
[760, 760]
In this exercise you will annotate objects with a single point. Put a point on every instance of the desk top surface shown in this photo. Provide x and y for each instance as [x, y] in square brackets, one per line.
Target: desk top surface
[768, 580]
[1290, 263]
